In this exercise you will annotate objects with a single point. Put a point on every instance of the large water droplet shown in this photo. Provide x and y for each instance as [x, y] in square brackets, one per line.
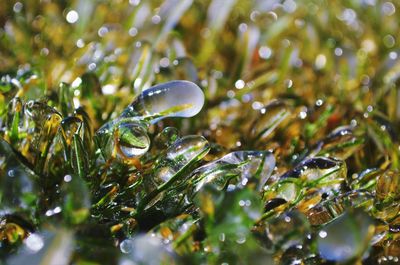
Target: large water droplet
[171, 99]
[288, 229]
[346, 237]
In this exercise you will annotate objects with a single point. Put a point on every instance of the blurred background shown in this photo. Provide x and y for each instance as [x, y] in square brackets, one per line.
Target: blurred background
[334, 62]
[245, 50]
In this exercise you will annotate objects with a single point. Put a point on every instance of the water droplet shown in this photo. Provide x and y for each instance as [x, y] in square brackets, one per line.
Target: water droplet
[269, 118]
[150, 250]
[393, 55]
[80, 43]
[322, 234]
[72, 16]
[341, 143]
[34, 242]
[388, 8]
[102, 31]
[241, 239]
[167, 137]
[171, 99]
[288, 229]
[18, 7]
[265, 52]
[126, 246]
[239, 84]
[132, 140]
[182, 152]
[346, 237]
[389, 41]
[320, 61]
[388, 186]
[243, 27]
[247, 163]
[133, 32]
[338, 51]
[320, 170]
[187, 148]
[303, 115]
[92, 66]
[11, 173]
[156, 19]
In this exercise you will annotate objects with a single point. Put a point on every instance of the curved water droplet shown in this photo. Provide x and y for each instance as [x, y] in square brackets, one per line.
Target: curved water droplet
[172, 99]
